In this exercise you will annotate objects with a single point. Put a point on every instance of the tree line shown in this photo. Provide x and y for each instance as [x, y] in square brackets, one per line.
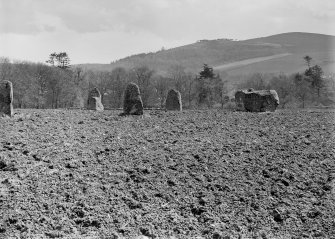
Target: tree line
[299, 90]
[58, 85]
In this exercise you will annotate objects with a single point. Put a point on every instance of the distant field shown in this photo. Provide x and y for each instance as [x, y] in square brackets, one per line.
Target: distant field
[248, 62]
[287, 64]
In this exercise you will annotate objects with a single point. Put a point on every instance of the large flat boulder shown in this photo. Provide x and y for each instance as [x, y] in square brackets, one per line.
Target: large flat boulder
[6, 98]
[256, 100]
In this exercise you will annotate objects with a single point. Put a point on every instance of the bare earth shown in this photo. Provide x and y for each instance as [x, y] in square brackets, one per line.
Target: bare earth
[190, 174]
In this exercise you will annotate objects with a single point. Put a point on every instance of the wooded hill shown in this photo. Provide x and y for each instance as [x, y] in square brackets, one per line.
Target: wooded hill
[280, 53]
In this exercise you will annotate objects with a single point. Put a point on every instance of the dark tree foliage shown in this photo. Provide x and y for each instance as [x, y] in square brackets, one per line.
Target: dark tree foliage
[209, 87]
[61, 60]
[315, 74]
[308, 60]
[207, 72]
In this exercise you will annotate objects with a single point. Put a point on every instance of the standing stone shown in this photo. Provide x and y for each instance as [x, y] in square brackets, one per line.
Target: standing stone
[256, 100]
[6, 98]
[94, 100]
[225, 99]
[173, 100]
[132, 104]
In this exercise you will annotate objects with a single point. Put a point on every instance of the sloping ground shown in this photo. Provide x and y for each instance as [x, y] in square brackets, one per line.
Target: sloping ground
[211, 174]
[238, 64]
[239, 57]
[287, 64]
[298, 42]
[193, 56]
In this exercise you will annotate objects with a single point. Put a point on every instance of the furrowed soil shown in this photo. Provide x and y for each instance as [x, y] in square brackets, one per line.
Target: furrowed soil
[190, 174]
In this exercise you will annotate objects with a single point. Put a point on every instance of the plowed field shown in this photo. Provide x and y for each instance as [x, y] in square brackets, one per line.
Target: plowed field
[190, 174]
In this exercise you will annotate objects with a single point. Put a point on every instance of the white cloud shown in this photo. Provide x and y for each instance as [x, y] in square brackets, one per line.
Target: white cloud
[165, 18]
[110, 29]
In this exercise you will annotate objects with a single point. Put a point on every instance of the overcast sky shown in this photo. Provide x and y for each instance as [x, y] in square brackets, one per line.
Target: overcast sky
[100, 31]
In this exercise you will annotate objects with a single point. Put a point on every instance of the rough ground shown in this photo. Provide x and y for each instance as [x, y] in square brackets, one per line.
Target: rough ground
[190, 174]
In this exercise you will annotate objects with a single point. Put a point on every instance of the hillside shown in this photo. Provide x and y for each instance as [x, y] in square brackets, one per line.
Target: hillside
[297, 45]
[277, 53]
[193, 56]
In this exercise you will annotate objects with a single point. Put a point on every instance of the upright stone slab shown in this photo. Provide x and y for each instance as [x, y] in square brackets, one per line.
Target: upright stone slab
[94, 100]
[6, 98]
[256, 100]
[173, 100]
[225, 99]
[132, 104]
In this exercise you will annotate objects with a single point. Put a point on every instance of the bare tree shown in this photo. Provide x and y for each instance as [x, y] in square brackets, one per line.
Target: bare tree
[177, 75]
[284, 87]
[190, 80]
[257, 81]
[301, 89]
[42, 73]
[162, 86]
[143, 76]
[120, 78]
[5, 69]
[23, 84]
